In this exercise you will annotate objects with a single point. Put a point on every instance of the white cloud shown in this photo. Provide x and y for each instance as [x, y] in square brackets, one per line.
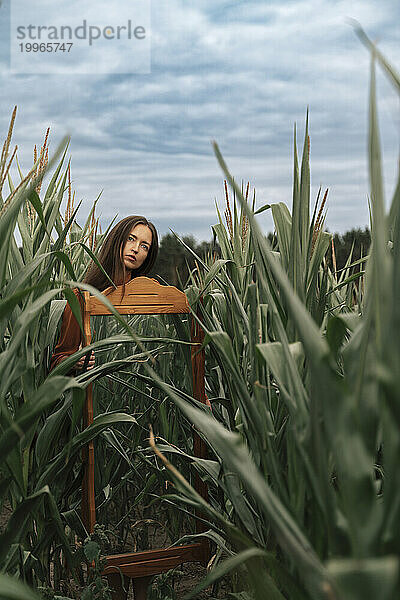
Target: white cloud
[238, 72]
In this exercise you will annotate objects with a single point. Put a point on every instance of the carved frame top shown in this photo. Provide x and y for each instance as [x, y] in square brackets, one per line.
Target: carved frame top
[143, 296]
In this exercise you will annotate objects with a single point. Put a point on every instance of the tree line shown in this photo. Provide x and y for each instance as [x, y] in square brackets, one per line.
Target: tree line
[174, 261]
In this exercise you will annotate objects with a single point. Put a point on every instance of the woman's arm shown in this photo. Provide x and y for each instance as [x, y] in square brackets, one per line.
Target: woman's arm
[70, 340]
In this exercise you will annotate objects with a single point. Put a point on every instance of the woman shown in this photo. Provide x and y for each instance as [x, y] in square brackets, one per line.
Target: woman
[129, 250]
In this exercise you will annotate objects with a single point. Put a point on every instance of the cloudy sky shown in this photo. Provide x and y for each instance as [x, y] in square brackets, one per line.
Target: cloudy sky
[240, 73]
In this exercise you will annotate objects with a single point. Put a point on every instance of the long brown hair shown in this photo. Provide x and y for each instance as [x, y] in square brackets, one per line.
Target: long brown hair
[110, 254]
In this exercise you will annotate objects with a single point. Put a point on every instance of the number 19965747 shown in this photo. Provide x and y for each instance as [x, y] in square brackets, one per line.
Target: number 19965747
[46, 47]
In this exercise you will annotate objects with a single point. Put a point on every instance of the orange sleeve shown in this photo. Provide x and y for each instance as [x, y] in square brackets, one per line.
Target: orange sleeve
[70, 337]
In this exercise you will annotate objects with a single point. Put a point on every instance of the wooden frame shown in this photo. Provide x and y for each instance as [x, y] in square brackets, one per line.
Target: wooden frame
[143, 296]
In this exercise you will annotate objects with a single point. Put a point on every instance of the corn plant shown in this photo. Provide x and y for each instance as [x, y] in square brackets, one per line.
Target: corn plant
[304, 433]
[40, 428]
[30, 400]
[301, 374]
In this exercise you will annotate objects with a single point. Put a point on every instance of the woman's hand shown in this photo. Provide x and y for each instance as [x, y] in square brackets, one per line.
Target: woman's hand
[81, 361]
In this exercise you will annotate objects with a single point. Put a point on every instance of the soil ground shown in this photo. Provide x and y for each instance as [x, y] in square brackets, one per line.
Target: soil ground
[183, 581]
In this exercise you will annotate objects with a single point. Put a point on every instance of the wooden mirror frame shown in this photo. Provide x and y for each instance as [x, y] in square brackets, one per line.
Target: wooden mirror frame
[143, 296]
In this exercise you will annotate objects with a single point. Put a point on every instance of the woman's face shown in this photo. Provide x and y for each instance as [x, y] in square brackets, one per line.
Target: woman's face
[136, 247]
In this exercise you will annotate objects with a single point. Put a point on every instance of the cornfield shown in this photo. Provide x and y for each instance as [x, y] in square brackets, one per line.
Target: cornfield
[302, 369]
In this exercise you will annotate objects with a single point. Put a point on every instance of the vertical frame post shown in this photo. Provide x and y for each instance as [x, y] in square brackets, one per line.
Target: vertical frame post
[88, 496]
[199, 392]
